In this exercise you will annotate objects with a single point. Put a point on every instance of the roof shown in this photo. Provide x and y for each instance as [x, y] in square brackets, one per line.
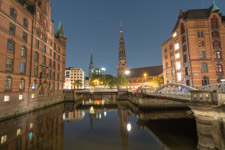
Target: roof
[197, 14]
[60, 31]
[151, 71]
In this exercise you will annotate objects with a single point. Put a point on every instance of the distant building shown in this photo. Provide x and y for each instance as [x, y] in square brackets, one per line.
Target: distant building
[99, 71]
[122, 59]
[86, 82]
[144, 76]
[72, 75]
[91, 66]
[194, 55]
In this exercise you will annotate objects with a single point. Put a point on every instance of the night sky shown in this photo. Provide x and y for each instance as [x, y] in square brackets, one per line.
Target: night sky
[94, 26]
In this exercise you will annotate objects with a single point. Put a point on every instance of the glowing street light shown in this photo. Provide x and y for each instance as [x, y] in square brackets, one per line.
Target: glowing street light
[145, 75]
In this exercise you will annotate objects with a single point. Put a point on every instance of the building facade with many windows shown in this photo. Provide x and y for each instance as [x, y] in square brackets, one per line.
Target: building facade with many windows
[195, 54]
[32, 56]
[74, 78]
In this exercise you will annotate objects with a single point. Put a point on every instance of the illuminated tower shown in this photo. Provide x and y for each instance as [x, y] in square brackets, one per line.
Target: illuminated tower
[122, 61]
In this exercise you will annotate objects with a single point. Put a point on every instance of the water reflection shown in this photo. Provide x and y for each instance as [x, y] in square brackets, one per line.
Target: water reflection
[103, 123]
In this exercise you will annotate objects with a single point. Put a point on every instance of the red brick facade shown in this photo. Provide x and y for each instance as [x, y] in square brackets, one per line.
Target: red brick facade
[27, 41]
[195, 54]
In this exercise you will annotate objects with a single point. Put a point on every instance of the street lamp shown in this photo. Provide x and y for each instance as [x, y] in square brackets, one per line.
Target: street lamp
[145, 75]
[126, 72]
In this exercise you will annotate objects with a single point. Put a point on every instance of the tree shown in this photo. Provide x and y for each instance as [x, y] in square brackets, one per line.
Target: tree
[122, 81]
[77, 84]
[110, 81]
[159, 80]
[97, 80]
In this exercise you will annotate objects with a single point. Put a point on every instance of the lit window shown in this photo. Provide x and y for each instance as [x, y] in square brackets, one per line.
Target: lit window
[3, 139]
[179, 76]
[175, 34]
[23, 52]
[177, 46]
[31, 125]
[6, 98]
[219, 68]
[18, 132]
[177, 55]
[22, 67]
[22, 84]
[178, 65]
[21, 97]
[32, 95]
[34, 85]
[8, 83]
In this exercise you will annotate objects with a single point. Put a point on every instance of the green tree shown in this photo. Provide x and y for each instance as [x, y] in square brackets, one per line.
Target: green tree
[159, 80]
[122, 81]
[97, 80]
[110, 81]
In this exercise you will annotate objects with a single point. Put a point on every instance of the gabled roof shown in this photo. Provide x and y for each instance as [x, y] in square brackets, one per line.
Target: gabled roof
[151, 71]
[197, 14]
[60, 31]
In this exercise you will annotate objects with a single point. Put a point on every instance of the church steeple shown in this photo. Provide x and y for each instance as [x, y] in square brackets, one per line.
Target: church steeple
[91, 66]
[122, 60]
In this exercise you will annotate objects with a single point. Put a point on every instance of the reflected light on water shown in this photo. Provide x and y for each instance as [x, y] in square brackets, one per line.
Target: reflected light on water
[129, 127]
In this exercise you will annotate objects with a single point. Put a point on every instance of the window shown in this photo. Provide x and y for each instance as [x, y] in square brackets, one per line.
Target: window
[215, 34]
[35, 70]
[165, 50]
[173, 73]
[177, 46]
[167, 74]
[50, 63]
[214, 23]
[50, 52]
[177, 55]
[58, 67]
[12, 29]
[53, 64]
[186, 71]
[37, 44]
[37, 32]
[43, 60]
[53, 86]
[203, 54]
[167, 65]
[216, 44]
[23, 52]
[9, 64]
[10, 45]
[18, 132]
[54, 55]
[49, 74]
[59, 58]
[59, 49]
[200, 34]
[201, 43]
[205, 81]
[36, 56]
[171, 54]
[22, 84]
[22, 67]
[54, 46]
[25, 37]
[12, 13]
[21, 97]
[8, 83]
[6, 98]
[25, 23]
[172, 62]
[53, 75]
[217, 55]
[34, 85]
[44, 48]
[179, 76]
[174, 34]
[178, 65]
[204, 67]
[219, 68]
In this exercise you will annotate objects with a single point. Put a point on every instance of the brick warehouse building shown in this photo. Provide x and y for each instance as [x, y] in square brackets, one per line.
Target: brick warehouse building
[32, 56]
[195, 54]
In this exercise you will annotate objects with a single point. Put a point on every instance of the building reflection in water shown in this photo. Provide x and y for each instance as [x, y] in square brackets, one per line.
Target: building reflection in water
[41, 130]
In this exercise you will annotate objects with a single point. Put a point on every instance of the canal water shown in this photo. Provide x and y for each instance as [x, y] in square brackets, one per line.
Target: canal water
[104, 124]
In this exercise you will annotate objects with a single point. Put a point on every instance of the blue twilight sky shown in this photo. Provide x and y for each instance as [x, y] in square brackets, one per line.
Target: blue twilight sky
[94, 26]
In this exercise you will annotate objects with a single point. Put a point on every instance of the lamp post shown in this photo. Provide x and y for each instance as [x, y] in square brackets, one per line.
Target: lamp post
[145, 75]
[126, 73]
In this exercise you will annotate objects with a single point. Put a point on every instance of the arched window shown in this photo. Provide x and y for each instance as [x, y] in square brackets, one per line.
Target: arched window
[43, 60]
[216, 44]
[219, 68]
[8, 83]
[53, 86]
[12, 13]
[205, 81]
[22, 84]
[23, 52]
[214, 23]
[36, 56]
[10, 45]
[25, 23]
[217, 55]
[204, 67]
[34, 85]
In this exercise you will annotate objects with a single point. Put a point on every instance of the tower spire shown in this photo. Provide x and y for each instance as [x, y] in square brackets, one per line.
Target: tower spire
[122, 60]
[91, 66]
